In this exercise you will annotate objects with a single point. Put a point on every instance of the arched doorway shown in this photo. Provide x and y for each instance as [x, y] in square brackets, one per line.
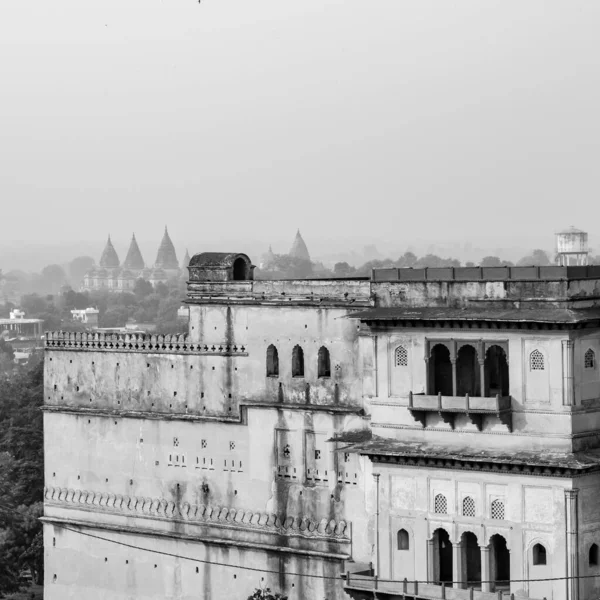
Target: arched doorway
[467, 372]
[496, 372]
[471, 560]
[239, 269]
[442, 557]
[499, 563]
[440, 370]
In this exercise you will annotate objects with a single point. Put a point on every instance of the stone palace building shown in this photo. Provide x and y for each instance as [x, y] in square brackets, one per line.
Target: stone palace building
[423, 433]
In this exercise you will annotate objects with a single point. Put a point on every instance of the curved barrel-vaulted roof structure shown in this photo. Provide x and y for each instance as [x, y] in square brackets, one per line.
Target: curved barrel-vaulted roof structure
[221, 266]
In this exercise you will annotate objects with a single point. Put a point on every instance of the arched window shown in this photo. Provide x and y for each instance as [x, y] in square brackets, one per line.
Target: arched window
[589, 359]
[401, 357]
[324, 366]
[403, 541]
[272, 362]
[539, 555]
[440, 504]
[239, 269]
[536, 361]
[468, 507]
[593, 555]
[297, 362]
[497, 510]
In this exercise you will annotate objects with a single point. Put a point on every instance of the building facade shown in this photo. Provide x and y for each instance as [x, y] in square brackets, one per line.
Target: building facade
[113, 276]
[427, 429]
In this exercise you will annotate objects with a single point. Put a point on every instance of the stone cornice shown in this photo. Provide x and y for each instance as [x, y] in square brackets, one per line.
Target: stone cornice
[160, 508]
[455, 463]
[167, 416]
[70, 524]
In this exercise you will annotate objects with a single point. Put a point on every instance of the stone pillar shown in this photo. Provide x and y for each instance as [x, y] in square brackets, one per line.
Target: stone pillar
[486, 586]
[457, 566]
[454, 382]
[572, 534]
[430, 561]
[481, 377]
[568, 361]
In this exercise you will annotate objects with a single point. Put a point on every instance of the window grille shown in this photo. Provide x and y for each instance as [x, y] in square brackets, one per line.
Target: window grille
[440, 504]
[498, 510]
[589, 359]
[401, 357]
[468, 507]
[536, 361]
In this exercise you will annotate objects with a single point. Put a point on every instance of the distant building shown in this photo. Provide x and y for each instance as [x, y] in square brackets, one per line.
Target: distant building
[572, 247]
[17, 326]
[299, 250]
[183, 314]
[112, 276]
[87, 316]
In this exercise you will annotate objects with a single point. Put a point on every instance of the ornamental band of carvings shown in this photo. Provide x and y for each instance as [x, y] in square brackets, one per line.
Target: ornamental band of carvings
[269, 523]
[171, 344]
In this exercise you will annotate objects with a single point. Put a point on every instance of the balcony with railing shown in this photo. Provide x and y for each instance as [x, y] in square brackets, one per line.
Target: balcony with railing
[449, 407]
[364, 585]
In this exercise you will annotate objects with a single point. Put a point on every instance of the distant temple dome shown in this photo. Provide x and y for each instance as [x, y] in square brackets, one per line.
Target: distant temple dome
[166, 257]
[109, 258]
[134, 258]
[299, 249]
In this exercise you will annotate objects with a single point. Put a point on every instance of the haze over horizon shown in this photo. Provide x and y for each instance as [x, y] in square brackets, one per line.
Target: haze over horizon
[399, 124]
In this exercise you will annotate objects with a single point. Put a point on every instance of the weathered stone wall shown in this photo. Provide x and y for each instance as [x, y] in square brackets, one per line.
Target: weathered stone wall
[80, 567]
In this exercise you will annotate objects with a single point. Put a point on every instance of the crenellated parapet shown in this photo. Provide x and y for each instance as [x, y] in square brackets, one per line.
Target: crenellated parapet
[325, 529]
[113, 342]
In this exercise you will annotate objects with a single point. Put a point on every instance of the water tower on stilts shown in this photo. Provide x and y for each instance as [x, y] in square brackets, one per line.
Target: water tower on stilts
[571, 247]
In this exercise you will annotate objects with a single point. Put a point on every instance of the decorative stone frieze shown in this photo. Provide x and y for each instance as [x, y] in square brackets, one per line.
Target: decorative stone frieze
[200, 514]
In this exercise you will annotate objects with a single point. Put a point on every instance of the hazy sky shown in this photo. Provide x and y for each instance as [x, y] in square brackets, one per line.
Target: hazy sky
[241, 120]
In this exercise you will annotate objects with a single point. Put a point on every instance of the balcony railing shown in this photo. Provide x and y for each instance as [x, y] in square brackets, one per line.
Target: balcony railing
[362, 584]
[474, 407]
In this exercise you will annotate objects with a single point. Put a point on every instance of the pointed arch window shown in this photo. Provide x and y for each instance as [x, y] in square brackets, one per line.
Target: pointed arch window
[468, 506]
[536, 361]
[403, 540]
[324, 366]
[401, 357]
[539, 555]
[297, 362]
[497, 510]
[272, 361]
[589, 359]
[440, 504]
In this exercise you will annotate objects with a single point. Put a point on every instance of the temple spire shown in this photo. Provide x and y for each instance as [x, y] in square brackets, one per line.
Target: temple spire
[109, 258]
[299, 249]
[186, 260]
[134, 259]
[166, 257]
